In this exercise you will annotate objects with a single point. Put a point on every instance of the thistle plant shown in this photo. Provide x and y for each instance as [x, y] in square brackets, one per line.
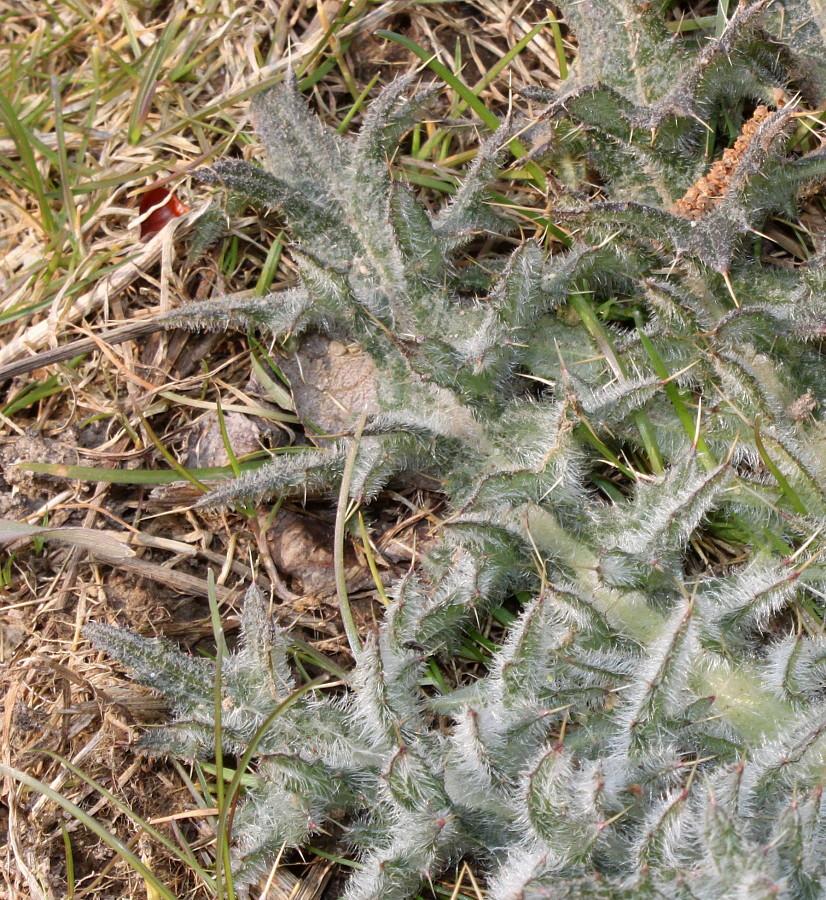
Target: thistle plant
[648, 728]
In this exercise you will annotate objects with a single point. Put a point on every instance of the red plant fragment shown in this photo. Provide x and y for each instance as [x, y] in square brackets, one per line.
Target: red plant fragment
[165, 206]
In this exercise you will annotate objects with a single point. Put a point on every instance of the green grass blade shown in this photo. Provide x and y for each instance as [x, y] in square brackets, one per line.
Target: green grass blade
[188, 858]
[338, 542]
[357, 104]
[146, 90]
[276, 392]
[456, 84]
[222, 863]
[789, 492]
[24, 141]
[67, 177]
[94, 826]
[675, 395]
[600, 335]
[185, 473]
[70, 862]
[270, 267]
[505, 61]
[135, 476]
[252, 748]
[559, 46]
[371, 561]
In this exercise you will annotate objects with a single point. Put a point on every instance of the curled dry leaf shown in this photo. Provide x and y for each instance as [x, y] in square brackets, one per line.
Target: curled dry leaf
[159, 206]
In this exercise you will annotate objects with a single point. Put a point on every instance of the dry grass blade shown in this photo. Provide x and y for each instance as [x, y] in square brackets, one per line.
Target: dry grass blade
[104, 292]
[105, 545]
[47, 358]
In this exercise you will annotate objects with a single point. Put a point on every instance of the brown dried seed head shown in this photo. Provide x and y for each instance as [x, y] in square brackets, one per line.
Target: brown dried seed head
[713, 186]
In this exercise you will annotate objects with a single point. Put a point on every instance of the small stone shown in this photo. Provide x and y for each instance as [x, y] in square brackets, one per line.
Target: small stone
[206, 448]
